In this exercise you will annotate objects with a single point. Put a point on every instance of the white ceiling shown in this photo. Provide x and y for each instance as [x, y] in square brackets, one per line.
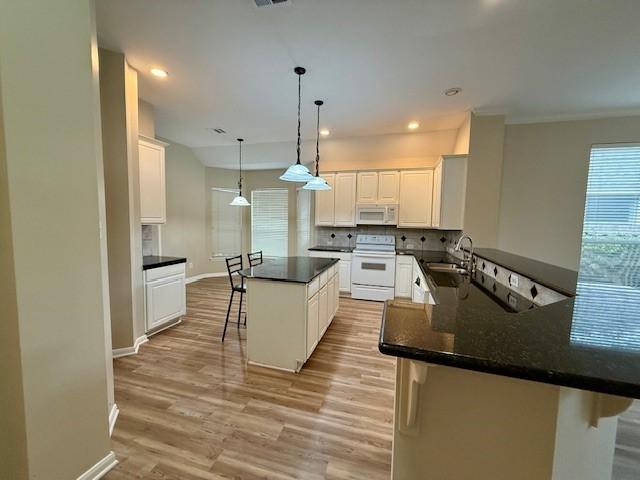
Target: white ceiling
[377, 64]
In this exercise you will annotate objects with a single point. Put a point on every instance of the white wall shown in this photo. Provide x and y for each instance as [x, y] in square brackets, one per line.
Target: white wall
[544, 184]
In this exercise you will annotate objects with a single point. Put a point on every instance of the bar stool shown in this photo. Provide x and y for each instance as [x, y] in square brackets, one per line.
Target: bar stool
[234, 265]
[255, 258]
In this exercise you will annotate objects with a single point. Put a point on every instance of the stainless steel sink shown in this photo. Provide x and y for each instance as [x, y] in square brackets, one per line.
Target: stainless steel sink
[447, 267]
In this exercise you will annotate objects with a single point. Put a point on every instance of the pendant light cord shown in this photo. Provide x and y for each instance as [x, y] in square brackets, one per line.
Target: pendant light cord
[240, 174]
[299, 100]
[318, 141]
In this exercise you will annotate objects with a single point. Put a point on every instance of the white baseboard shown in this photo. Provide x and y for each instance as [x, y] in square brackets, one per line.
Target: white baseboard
[163, 328]
[113, 416]
[123, 352]
[101, 468]
[195, 278]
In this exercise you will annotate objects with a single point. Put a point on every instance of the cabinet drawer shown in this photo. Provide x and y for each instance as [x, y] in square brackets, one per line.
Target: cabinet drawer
[313, 287]
[161, 272]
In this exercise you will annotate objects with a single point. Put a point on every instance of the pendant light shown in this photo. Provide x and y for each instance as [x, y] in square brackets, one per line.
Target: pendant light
[240, 201]
[317, 182]
[297, 172]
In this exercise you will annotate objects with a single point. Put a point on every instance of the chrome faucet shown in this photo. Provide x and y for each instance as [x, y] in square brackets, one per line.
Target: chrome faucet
[467, 262]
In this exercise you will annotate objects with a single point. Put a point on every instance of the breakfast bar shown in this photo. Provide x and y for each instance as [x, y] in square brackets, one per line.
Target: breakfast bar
[291, 302]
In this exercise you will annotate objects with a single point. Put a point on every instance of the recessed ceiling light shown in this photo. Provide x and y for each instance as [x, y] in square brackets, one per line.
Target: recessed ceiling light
[450, 92]
[158, 72]
[324, 132]
[413, 125]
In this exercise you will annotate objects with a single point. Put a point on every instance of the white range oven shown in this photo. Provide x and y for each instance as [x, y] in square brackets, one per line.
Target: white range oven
[373, 267]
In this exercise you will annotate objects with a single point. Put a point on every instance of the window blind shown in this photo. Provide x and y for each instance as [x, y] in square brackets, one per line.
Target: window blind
[606, 312]
[270, 222]
[226, 223]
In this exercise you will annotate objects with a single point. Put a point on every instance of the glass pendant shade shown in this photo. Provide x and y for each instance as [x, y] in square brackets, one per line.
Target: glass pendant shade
[317, 183]
[240, 201]
[297, 172]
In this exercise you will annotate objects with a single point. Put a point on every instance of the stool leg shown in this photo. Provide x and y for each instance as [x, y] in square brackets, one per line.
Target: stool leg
[240, 308]
[224, 332]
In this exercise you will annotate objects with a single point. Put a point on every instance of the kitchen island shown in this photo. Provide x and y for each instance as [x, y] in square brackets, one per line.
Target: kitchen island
[291, 302]
[492, 385]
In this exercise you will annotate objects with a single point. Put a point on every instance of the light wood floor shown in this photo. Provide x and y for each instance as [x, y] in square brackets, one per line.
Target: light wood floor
[191, 409]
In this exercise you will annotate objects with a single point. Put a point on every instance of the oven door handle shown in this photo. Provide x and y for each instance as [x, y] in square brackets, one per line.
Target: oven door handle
[373, 255]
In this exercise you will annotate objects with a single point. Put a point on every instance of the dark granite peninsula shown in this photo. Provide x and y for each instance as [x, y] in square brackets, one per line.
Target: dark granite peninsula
[544, 382]
[155, 261]
[291, 302]
[289, 269]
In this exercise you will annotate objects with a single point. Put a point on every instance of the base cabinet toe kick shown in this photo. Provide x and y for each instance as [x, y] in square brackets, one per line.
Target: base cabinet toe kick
[286, 320]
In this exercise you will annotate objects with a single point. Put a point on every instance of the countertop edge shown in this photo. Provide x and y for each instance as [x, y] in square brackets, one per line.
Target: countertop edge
[608, 387]
[164, 263]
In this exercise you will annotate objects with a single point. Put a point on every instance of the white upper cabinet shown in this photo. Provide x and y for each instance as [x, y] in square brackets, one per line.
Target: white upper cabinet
[337, 207]
[389, 187]
[449, 187]
[378, 187]
[345, 200]
[325, 203]
[416, 199]
[152, 181]
[367, 187]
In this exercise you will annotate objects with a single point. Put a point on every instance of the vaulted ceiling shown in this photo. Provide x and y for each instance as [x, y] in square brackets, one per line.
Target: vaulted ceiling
[377, 64]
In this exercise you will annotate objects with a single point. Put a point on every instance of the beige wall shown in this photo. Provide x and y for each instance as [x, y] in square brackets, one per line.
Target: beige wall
[544, 184]
[146, 119]
[185, 233]
[50, 177]
[13, 442]
[404, 150]
[484, 173]
[119, 107]
[461, 145]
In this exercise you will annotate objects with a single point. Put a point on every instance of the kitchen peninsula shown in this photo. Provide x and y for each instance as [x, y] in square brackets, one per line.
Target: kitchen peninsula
[522, 390]
[291, 302]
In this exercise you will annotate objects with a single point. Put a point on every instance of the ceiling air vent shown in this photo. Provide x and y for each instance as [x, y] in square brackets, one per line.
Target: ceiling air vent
[270, 3]
[216, 130]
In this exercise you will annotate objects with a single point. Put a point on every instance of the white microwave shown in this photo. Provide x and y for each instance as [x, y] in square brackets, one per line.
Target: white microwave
[377, 214]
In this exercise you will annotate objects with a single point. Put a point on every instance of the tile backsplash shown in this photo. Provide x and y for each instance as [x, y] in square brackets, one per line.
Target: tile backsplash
[150, 240]
[417, 239]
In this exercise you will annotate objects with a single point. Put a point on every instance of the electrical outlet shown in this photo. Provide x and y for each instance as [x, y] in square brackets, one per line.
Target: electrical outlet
[513, 280]
[410, 246]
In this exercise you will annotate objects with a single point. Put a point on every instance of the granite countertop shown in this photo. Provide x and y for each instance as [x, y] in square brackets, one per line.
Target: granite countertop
[289, 269]
[156, 261]
[590, 341]
[331, 248]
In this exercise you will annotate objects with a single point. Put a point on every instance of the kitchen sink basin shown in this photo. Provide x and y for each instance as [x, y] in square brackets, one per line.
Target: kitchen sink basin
[447, 267]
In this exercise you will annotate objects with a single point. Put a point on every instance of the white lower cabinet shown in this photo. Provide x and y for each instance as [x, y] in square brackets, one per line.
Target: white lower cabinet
[313, 316]
[404, 276]
[322, 305]
[345, 275]
[323, 309]
[344, 267]
[165, 295]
